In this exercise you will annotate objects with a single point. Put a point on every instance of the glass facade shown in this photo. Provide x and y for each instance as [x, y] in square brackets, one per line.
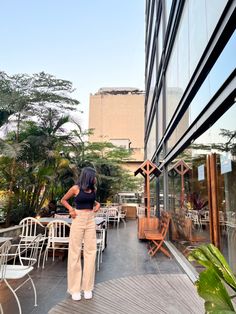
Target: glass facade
[188, 189]
[195, 133]
[190, 42]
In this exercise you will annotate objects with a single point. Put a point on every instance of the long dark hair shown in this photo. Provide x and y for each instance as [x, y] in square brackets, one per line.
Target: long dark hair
[87, 179]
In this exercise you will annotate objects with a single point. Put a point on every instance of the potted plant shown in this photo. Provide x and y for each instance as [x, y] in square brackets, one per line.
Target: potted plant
[217, 283]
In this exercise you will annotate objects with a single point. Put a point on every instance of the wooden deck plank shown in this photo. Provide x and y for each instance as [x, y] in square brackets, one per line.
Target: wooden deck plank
[147, 294]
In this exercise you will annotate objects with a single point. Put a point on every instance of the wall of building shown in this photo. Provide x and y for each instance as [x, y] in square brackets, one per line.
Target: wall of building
[118, 118]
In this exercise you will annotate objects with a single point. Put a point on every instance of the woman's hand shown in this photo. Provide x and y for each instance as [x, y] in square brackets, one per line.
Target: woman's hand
[73, 214]
[96, 207]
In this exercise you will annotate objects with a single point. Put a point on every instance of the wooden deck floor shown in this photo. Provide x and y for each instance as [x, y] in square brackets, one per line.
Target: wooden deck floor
[139, 294]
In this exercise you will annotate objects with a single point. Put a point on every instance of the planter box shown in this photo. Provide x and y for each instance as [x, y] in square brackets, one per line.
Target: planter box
[131, 211]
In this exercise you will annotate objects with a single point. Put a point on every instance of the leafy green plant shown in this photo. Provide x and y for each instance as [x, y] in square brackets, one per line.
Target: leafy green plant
[215, 281]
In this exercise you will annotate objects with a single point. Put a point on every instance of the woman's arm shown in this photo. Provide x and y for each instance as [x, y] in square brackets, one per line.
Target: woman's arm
[64, 201]
[96, 206]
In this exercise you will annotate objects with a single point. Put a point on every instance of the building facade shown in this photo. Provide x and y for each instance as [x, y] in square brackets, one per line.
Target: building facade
[190, 125]
[116, 115]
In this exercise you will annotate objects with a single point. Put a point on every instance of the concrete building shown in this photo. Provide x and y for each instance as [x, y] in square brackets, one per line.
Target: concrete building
[116, 115]
[190, 109]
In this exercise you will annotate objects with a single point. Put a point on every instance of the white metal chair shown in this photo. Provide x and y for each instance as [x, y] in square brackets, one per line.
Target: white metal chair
[103, 214]
[100, 233]
[122, 215]
[30, 228]
[113, 216]
[58, 237]
[26, 256]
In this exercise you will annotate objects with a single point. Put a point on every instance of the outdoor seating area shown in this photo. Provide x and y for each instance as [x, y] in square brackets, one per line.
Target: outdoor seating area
[38, 238]
[123, 247]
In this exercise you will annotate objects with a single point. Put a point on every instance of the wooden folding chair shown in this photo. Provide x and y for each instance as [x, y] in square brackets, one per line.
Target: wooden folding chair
[157, 236]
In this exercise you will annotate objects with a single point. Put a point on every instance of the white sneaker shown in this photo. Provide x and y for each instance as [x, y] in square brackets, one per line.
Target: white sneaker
[88, 295]
[76, 296]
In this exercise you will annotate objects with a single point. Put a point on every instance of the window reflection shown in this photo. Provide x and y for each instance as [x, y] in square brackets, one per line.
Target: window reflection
[188, 199]
[188, 189]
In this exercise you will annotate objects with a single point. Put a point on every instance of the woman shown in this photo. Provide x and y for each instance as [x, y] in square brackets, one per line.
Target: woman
[83, 230]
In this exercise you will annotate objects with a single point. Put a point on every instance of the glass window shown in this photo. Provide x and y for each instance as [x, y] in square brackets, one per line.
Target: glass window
[188, 200]
[213, 13]
[160, 40]
[183, 52]
[151, 143]
[192, 37]
[188, 189]
[223, 67]
[177, 75]
[168, 4]
[221, 140]
[204, 24]
[151, 35]
[179, 131]
[173, 94]
[197, 31]
[160, 118]
[152, 88]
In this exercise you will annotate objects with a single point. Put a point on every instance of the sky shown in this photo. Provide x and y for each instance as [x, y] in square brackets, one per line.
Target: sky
[92, 43]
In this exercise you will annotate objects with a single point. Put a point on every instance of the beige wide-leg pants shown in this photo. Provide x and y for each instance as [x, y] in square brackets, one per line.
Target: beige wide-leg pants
[83, 229]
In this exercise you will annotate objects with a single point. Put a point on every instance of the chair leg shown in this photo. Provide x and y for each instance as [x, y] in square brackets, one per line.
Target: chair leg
[44, 256]
[15, 295]
[153, 250]
[101, 255]
[40, 253]
[35, 293]
[98, 259]
[165, 251]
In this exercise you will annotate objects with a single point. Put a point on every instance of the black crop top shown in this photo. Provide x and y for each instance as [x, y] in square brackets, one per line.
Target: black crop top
[85, 200]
